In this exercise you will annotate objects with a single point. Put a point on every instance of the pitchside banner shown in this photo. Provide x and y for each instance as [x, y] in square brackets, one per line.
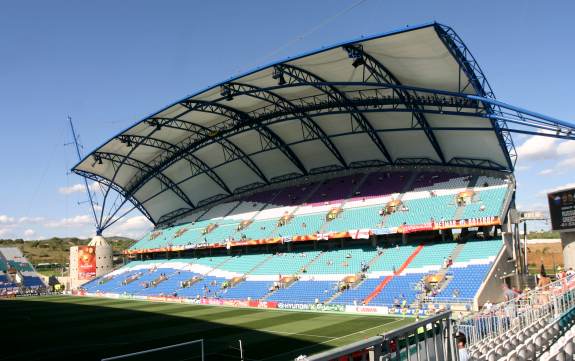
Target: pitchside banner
[86, 262]
[562, 209]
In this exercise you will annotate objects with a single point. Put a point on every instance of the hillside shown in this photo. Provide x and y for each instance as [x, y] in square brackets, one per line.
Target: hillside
[56, 250]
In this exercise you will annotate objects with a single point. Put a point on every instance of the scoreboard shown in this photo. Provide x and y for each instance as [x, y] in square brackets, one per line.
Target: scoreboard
[562, 209]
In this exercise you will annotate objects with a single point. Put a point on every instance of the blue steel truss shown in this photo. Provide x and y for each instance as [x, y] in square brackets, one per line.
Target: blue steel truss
[142, 168]
[380, 91]
[234, 117]
[382, 75]
[298, 75]
[310, 129]
[435, 102]
[479, 82]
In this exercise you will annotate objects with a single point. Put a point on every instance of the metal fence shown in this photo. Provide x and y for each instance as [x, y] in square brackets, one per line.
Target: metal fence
[431, 339]
[519, 313]
[523, 328]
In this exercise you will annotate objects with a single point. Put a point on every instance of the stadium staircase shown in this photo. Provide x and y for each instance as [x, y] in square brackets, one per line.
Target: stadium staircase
[406, 188]
[259, 264]
[355, 286]
[218, 266]
[362, 280]
[312, 261]
[388, 279]
[333, 297]
[422, 297]
[358, 185]
[292, 215]
[302, 270]
[456, 251]
[374, 260]
[461, 209]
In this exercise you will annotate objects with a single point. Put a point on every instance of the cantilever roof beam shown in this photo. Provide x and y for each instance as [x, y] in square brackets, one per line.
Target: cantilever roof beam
[384, 76]
[201, 134]
[198, 165]
[287, 106]
[238, 117]
[300, 75]
[478, 80]
[119, 190]
[143, 168]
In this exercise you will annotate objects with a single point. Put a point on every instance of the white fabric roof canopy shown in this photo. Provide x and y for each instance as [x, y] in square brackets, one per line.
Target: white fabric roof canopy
[331, 109]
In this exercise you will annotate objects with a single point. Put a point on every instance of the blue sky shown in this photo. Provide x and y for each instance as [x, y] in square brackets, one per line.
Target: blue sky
[110, 63]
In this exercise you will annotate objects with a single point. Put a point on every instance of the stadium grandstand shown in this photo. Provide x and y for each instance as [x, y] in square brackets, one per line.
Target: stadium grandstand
[374, 176]
[17, 275]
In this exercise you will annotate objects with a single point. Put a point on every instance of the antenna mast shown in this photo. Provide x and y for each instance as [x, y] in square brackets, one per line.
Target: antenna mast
[91, 199]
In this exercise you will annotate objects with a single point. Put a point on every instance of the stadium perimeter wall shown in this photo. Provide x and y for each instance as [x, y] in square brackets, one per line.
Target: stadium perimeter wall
[491, 290]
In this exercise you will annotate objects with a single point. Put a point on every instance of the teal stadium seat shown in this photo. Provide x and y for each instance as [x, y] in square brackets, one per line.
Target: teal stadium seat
[339, 262]
[286, 263]
[355, 218]
[432, 255]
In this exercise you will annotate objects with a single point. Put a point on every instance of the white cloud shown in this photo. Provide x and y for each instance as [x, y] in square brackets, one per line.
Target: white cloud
[31, 220]
[566, 148]
[76, 188]
[96, 187]
[133, 227]
[5, 233]
[564, 186]
[29, 233]
[569, 162]
[537, 147]
[77, 221]
[4, 219]
[546, 171]
[533, 206]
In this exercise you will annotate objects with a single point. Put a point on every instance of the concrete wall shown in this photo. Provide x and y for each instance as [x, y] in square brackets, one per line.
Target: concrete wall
[492, 287]
[568, 244]
[104, 262]
[74, 282]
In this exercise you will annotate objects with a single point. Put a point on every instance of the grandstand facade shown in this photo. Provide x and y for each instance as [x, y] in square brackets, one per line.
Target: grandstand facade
[370, 176]
[371, 238]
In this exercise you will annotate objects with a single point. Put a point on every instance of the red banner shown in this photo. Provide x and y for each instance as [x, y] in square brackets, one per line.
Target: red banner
[86, 262]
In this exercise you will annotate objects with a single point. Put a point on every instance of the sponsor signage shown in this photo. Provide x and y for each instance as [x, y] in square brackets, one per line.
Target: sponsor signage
[471, 222]
[86, 262]
[310, 307]
[375, 310]
[562, 209]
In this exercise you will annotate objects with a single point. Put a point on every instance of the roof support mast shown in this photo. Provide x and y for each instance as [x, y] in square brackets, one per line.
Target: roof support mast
[97, 222]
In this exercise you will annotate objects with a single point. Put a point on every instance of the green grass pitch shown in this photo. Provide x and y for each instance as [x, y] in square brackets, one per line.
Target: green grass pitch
[82, 328]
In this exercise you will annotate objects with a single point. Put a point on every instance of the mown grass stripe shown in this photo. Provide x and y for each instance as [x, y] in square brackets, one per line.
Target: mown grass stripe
[96, 327]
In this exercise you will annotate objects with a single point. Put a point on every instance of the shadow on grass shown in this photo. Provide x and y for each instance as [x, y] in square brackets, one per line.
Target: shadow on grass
[81, 330]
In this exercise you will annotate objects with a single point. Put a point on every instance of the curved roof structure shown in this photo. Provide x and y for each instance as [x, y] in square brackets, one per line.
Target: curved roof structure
[410, 97]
